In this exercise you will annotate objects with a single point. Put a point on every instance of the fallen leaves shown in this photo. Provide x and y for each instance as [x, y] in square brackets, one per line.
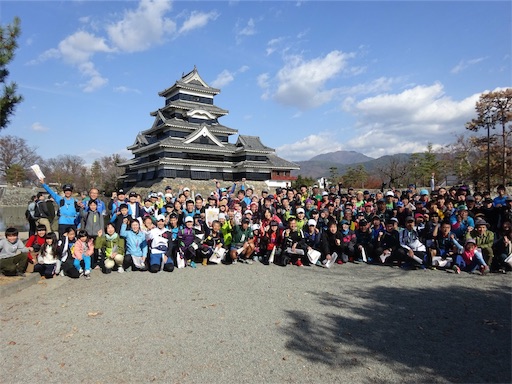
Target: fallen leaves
[94, 314]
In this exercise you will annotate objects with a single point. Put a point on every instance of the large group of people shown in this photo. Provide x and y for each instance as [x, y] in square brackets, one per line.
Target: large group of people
[447, 229]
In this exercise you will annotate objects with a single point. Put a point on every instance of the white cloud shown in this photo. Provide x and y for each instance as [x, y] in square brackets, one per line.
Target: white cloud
[197, 20]
[95, 81]
[38, 127]
[273, 44]
[248, 30]
[309, 147]
[463, 64]
[124, 89]
[302, 83]
[226, 77]
[223, 79]
[81, 46]
[407, 121]
[142, 28]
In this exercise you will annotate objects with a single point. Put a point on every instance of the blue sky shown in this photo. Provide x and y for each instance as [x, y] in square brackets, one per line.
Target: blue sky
[308, 77]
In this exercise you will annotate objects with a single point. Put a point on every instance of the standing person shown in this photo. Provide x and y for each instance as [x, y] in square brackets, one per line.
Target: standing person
[53, 210]
[68, 206]
[29, 215]
[94, 194]
[92, 221]
[41, 212]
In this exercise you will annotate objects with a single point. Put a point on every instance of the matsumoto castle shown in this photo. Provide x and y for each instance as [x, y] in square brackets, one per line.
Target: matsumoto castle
[187, 141]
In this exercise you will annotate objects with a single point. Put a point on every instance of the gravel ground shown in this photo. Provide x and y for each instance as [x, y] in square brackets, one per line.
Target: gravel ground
[260, 324]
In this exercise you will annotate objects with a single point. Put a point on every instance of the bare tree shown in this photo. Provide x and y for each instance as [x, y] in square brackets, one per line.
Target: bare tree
[393, 170]
[15, 151]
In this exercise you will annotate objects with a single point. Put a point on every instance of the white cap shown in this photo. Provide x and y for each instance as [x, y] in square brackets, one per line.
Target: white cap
[189, 219]
[325, 193]
[300, 210]
[248, 211]
[160, 194]
[311, 222]
[160, 217]
[222, 216]
[186, 189]
[255, 227]
[168, 195]
[389, 193]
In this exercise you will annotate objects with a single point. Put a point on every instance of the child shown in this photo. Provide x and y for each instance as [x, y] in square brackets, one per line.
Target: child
[13, 254]
[226, 229]
[65, 252]
[271, 240]
[111, 246]
[186, 241]
[241, 248]
[470, 258]
[35, 242]
[48, 260]
[136, 245]
[213, 242]
[83, 250]
[256, 241]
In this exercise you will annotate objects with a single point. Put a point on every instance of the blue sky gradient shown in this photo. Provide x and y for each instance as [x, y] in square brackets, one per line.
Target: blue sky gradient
[308, 77]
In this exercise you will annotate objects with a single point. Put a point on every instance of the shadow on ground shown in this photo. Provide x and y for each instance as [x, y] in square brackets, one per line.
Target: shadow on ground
[457, 334]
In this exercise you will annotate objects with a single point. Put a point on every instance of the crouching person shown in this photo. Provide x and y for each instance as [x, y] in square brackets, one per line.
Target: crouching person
[48, 263]
[160, 238]
[65, 251]
[13, 254]
[136, 246]
[111, 246]
[294, 245]
[470, 258]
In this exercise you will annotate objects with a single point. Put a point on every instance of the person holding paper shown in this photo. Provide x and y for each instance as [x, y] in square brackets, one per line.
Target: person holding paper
[412, 251]
[68, 206]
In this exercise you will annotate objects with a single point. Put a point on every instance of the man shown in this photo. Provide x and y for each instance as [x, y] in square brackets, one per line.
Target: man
[93, 195]
[241, 246]
[68, 207]
[412, 251]
[294, 246]
[159, 238]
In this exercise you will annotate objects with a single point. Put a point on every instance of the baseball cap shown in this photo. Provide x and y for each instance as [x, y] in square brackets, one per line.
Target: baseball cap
[189, 219]
[389, 193]
[300, 210]
[312, 222]
[160, 218]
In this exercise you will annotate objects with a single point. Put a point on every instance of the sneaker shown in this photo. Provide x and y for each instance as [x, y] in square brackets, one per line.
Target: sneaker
[61, 273]
[193, 264]
[255, 258]
[299, 263]
[246, 261]
[205, 262]
[319, 263]
[234, 261]
[120, 270]
[87, 275]
[484, 270]
[339, 262]
[456, 269]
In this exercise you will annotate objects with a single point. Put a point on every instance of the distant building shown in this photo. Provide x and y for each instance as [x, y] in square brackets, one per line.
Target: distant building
[187, 141]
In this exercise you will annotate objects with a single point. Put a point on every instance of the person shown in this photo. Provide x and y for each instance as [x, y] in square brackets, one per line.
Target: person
[294, 246]
[111, 246]
[92, 222]
[34, 243]
[159, 238]
[48, 262]
[82, 252]
[462, 223]
[271, 242]
[470, 258]
[136, 246]
[187, 242]
[330, 245]
[41, 212]
[348, 242]
[120, 216]
[65, 248]
[411, 251]
[484, 239]
[441, 250]
[94, 195]
[241, 248]
[388, 242]
[13, 254]
[29, 215]
[364, 242]
[68, 206]
[116, 200]
[212, 243]
[312, 236]
[503, 247]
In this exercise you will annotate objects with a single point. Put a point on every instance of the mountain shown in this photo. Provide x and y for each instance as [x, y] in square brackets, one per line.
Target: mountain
[318, 166]
[342, 157]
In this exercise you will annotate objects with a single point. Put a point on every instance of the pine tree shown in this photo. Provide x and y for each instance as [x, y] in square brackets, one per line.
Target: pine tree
[8, 44]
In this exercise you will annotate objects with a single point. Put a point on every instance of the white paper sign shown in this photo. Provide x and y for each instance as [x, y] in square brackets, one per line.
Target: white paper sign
[37, 171]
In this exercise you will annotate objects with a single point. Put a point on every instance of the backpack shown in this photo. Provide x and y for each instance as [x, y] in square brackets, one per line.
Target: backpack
[37, 211]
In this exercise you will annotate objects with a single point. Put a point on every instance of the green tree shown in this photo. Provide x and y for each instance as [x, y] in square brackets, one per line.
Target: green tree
[16, 174]
[355, 176]
[8, 44]
[495, 109]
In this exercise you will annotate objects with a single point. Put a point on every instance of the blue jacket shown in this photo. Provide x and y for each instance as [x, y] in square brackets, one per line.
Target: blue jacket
[67, 209]
[136, 244]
